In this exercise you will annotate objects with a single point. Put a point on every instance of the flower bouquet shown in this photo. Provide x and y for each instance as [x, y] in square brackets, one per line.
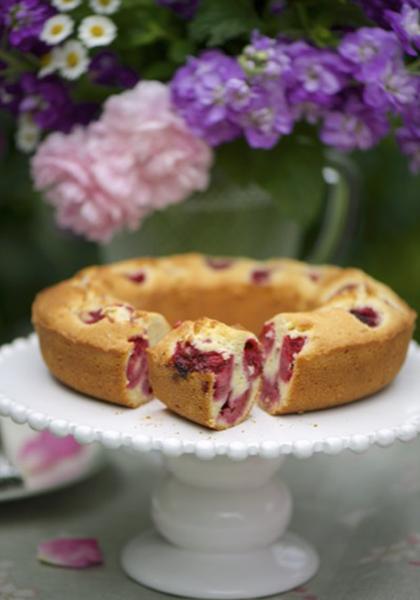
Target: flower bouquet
[129, 106]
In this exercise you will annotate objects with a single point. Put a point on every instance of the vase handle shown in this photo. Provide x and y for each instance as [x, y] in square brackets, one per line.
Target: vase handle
[341, 210]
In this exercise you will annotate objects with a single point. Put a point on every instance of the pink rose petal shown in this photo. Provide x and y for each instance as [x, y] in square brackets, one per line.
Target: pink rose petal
[74, 553]
[46, 450]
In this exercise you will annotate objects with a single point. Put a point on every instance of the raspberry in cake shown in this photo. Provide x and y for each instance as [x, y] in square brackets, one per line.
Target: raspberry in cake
[282, 344]
[207, 372]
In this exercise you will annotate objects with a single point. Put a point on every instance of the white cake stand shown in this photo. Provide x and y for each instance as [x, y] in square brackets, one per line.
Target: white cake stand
[220, 516]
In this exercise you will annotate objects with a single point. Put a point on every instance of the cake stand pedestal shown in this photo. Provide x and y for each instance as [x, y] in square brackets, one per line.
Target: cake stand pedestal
[220, 532]
[221, 514]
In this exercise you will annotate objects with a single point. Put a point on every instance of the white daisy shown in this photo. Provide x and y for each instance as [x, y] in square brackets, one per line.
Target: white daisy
[49, 62]
[27, 135]
[97, 31]
[73, 59]
[65, 5]
[105, 7]
[56, 29]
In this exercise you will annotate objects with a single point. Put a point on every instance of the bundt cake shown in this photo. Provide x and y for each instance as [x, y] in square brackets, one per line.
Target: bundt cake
[327, 335]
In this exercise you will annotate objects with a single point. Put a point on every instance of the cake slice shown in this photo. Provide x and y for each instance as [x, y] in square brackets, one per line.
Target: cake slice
[207, 372]
[325, 358]
[97, 344]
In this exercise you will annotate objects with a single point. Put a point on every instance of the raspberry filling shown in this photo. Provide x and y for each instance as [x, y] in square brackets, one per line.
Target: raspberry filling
[187, 358]
[137, 371]
[270, 392]
[367, 315]
[92, 316]
[233, 408]
[260, 276]
[267, 337]
[252, 359]
[218, 263]
[290, 348]
[137, 276]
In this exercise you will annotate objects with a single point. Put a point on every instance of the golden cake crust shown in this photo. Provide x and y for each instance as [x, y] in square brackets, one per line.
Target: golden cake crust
[343, 359]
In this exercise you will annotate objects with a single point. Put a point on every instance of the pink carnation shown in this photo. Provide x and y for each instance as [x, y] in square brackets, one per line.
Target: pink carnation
[140, 156]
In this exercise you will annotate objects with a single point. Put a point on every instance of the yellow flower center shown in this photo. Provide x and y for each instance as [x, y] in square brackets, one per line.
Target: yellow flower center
[97, 30]
[104, 2]
[57, 29]
[72, 59]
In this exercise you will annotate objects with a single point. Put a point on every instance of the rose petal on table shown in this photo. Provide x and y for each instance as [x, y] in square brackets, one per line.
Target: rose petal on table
[74, 553]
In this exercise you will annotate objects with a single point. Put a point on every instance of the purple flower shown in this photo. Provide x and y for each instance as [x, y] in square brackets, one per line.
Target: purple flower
[407, 27]
[265, 58]
[308, 111]
[354, 126]
[10, 97]
[266, 118]
[408, 136]
[392, 89]
[238, 94]
[184, 8]
[105, 69]
[48, 102]
[318, 75]
[258, 104]
[368, 50]
[375, 9]
[23, 21]
[199, 93]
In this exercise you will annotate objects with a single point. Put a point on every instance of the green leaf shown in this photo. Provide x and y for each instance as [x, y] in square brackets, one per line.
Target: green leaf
[161, 70]
[291, 173]
[180, 49]
[220, 20]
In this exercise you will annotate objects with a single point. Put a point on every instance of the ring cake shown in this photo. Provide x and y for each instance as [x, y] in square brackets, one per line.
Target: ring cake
[327, 336]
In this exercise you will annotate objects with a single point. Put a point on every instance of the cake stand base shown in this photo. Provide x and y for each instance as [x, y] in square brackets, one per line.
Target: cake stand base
[220, 533]
[155, 563]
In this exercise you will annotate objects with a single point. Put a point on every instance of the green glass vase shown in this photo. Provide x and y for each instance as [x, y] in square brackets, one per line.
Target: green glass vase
[233, 220]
